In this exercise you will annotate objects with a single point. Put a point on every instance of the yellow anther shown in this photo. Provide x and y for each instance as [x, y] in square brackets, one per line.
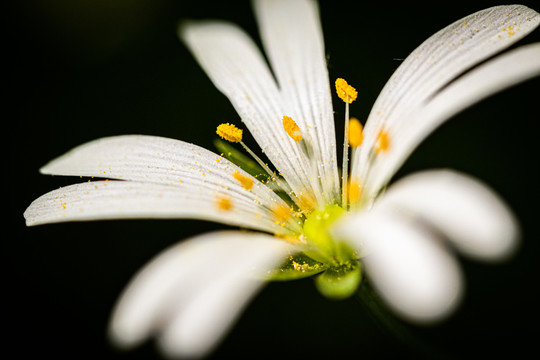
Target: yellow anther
[223, 203]
[292, 128]
[355, 132]
[246, 182]
[229, 132]
[345, 91]
[354, 191]
[383, 141]
[281, 213]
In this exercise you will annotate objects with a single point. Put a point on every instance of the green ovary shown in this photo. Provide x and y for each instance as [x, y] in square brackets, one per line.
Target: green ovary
[339, 272]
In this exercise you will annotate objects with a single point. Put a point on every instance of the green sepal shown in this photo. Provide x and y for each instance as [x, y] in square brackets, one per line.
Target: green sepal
[340, 282]
[297, 267]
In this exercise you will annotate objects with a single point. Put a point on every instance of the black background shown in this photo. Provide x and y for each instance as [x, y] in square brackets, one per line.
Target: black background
[80, 70]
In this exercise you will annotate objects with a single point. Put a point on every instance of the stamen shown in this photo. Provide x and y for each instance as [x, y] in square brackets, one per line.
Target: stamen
[383, 141]
[223, 203]
[348, 94]
[246, 182]
[233, 134]
[292, 128]
[345, 91]
[229, 132]
[356, 137]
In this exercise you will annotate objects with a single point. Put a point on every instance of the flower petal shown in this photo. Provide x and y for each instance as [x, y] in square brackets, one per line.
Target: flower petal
[495, 75]
[101, 200]
[186, 173]
[413, 273]
[292, 36]
[191, 293]
[237, 68]
[466, 211]
[436, 63]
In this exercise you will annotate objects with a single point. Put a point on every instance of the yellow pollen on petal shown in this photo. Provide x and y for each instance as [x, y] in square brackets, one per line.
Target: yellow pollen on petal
[292, 128]
[356, 135]
[223, 203]
[383, 141]
[246, 182]
[345, 91]
[229, 132]
[301, 267]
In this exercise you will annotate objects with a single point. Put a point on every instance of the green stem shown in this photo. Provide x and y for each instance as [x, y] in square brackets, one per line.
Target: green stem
[382, 316]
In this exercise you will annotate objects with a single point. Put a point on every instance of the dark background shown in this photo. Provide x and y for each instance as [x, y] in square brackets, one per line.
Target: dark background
[80, 70]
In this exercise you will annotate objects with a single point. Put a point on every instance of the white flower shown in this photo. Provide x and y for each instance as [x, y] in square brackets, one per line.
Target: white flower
[308, 221]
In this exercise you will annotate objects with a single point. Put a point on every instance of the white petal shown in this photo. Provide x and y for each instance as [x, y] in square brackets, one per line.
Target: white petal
[191, 293]
[193, 176]
[495, 75]
[408, 267]
[293, 39]
[151, 159]
[438, 61]
[237, 68]
[466, 211]
[102, 200]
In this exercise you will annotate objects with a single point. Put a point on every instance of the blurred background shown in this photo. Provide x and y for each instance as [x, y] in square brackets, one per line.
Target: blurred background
[80, 70]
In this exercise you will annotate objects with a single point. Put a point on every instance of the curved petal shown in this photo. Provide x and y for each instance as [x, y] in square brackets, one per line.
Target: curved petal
[466, 211]
[504, 71]
[102, 200]
[154, 159]
[412, 272]
[292, 37]
[436, 63]
[187, 173]
[191, 294]
[237, 68]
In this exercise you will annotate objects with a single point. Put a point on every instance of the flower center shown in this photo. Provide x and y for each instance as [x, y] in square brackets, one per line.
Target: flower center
[322, 245]
[343, 271]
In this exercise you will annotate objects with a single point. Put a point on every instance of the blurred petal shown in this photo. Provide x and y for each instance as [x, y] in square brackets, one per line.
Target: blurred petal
[292, 36]
[506, 70]
[466, 211]
[236, 67]
[434, 64]
[190, 294]
[417, 277]
[102, 200]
